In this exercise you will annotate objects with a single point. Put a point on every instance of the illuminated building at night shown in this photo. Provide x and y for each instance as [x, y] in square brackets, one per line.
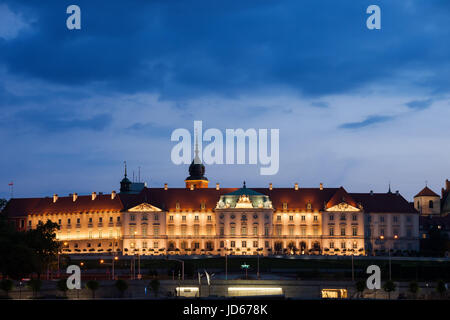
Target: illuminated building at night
[199, 219]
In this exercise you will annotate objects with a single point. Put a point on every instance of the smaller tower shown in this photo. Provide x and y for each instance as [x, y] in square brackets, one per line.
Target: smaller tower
[125, 183]
[427, 202]
[196, 179]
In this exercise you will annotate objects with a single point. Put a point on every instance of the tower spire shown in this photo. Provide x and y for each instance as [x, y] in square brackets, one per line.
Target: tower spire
[125, 164]
[196, 151]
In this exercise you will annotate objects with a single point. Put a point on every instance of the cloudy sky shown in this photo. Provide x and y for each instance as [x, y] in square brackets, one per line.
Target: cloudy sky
[355, 107]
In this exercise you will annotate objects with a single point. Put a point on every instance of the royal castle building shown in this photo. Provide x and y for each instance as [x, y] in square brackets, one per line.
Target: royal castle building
[200, 219]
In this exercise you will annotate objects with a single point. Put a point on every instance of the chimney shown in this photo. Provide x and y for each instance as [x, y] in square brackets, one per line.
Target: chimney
[113, 195]
[270, 186]
[165, 186]
[371, 192]
[217, 186]
[94, 195]
[321, 186]
[447, 185]
[296, 186]
[55, 198]
[397, 192]
[74, 197]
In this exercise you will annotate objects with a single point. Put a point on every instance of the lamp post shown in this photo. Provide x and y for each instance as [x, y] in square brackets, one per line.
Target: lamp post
[226, 263]
[257, 259]
[390, 259]
[182, 266]
[353, 269]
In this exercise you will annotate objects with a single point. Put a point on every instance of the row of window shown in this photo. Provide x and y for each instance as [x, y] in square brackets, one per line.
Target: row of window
[395, 232]
[184, 218]
[344, 245]
[78, 220]
[343, 230]
[395, 219]
[91, 235]
[343, 217]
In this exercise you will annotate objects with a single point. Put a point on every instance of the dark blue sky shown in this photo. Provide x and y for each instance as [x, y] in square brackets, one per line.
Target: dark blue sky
[355, 107]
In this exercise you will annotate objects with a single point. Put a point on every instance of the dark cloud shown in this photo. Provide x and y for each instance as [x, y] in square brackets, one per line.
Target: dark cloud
[420, 104]
[182, 49]
[51, 121]
[370, 120]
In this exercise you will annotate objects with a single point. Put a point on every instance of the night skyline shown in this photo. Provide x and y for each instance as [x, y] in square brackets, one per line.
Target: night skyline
[355, 108]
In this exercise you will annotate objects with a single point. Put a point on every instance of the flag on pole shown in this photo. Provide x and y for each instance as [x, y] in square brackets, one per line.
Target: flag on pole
[199, 278]
[10, 184]
[208, 279]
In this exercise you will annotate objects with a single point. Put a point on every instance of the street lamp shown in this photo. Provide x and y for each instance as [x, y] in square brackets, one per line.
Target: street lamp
[182, 266]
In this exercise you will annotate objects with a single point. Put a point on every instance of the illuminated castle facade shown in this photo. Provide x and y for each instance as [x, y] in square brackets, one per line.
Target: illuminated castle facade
[201, 220]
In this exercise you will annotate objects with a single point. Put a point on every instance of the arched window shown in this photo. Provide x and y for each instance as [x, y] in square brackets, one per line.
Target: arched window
[430, 204]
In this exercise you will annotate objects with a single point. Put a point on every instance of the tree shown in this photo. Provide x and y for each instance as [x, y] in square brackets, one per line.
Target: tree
[35, 285]
[61, 285]
[441, 288]
[93, 286]
[42, 241]
[389, 286]
[17, 259]
[3, 203]
[122, 286]
[360, 286]
[154, 285]
[414, 288]
[6, 285]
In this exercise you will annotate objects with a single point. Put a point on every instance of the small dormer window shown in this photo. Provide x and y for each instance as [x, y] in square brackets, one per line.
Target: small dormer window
[308, 206]
[203, 205]
[285, 205]
[177, 205]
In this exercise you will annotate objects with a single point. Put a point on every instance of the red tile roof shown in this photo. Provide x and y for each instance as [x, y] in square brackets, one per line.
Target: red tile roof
[192, 200]
[426, 192]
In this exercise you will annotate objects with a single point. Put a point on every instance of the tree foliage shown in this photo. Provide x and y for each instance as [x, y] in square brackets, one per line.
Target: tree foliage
[35, 285]
[17, 258]
[61, 285]
[154, 285]
[6, 285]
[389, 286]
[440, 287]
[3, 203]
[360, 286]
[42, 240]
[121, 285]
[414, 288]
[93, 286]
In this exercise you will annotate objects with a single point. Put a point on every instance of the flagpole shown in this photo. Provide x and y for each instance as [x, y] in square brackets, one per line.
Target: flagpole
[12, 188]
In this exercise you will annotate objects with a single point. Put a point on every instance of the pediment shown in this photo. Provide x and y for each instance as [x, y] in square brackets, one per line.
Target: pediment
[343, 206]
[144, 207]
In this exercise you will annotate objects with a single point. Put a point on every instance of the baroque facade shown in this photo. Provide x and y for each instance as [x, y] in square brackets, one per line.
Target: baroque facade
[241, 221]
